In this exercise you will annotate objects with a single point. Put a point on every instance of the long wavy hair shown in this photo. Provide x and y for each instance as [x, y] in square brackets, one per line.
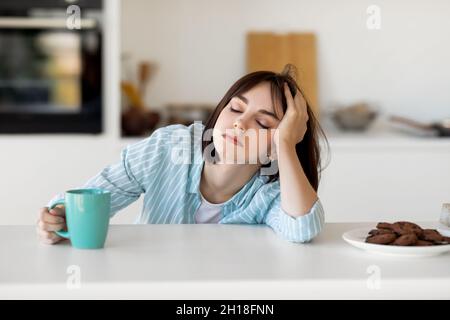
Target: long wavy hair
[308, 150]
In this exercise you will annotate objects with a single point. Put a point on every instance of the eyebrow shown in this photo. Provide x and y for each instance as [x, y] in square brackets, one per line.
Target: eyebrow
[263, 111]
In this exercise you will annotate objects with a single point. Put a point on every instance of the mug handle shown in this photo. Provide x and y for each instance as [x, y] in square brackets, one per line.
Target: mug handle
[61, 233]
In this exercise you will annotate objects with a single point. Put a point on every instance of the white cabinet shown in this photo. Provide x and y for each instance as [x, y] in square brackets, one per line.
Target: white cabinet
[374, 177]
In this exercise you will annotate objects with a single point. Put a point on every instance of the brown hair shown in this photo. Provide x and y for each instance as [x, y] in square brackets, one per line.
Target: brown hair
[308, 150]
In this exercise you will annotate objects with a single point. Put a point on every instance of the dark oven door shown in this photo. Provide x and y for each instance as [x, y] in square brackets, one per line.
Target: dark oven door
[50, 75]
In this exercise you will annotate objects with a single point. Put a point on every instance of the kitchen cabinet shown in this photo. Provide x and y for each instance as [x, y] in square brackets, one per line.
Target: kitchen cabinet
[385, 175]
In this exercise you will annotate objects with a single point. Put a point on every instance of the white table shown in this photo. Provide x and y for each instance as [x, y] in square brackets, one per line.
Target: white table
[212, 262]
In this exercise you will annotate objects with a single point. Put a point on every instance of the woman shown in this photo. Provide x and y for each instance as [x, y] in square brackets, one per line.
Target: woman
[256, 161]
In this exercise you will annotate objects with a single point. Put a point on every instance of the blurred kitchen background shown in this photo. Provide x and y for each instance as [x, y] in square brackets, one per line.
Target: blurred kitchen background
[75, 92]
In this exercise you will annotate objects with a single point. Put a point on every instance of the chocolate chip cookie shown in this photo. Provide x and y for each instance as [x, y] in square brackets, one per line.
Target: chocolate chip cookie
[409, 239]
[382, 238]
[405, 233]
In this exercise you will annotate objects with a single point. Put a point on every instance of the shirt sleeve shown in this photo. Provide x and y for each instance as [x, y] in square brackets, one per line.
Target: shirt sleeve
[125, 179]
[296, 229]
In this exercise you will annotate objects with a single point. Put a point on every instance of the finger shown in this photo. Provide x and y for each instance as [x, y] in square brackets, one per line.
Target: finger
[48, 237]
[50, 218]
[50, 241]
[300, 101]
[289, 99]
[58, 211]
[50, 226]
[52, 238]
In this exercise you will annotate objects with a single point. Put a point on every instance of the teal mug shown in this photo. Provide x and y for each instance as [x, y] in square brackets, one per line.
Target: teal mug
[87, 217]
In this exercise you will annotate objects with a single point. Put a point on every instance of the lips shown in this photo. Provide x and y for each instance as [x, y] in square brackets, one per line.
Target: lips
[233, 139]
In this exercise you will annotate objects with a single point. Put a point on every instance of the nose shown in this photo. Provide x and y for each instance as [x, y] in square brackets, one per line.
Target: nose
[238, 126]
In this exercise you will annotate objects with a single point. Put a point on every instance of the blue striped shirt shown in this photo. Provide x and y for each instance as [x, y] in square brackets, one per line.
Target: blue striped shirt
[166, 167]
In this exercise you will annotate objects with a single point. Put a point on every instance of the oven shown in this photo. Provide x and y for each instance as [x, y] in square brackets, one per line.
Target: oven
[51, 66]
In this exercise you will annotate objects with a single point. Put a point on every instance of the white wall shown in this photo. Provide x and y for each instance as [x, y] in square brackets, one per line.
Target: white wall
[199, 46]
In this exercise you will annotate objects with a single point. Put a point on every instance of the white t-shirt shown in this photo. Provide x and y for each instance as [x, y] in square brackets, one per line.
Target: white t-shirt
[208, 212]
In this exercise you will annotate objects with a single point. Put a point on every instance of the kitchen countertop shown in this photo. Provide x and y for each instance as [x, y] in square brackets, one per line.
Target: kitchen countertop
[213, 262]
[382, 134]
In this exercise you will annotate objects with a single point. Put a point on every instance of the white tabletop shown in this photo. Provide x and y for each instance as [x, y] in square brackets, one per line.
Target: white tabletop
[212, 262]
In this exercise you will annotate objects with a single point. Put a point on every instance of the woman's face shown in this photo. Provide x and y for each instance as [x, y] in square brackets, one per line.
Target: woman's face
[244, 129]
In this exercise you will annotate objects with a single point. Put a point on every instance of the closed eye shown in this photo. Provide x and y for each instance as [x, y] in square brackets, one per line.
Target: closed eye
[264, 127]
[237, 111]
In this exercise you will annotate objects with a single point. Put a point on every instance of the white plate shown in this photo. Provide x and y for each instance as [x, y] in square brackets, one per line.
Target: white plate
[357, 238]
